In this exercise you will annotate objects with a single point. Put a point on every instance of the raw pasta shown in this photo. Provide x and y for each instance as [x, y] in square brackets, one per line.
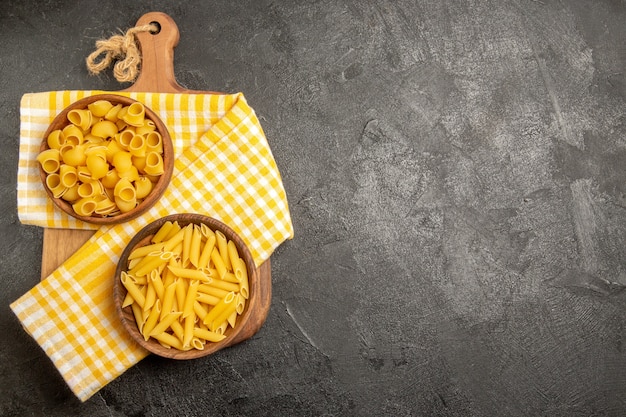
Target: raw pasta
[100, 108]
[53, 182]
[81, 118]
[181, 304]
[85, 206]
[50, 160]
[135, 114]
[110, 154]
[154, 164]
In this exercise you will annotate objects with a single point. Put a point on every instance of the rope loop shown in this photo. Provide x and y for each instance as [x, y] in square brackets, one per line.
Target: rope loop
[124, 49]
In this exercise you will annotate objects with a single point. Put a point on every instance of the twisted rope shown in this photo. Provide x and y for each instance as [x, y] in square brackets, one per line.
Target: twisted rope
[123, 48]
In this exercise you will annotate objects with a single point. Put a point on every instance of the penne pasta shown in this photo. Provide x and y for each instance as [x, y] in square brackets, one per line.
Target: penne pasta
[219, 263]
[199, 309]
[241, 303]
[182, 292]
[188, 233]
[139, 316]
[208, 335]
[230, 277]
[152, 261]
[139, 280]
[165, 323]
[128, 300]
[190, 298]
[172, 242]
[169, 340]
[222, 245]
[132, 289]
[212, 290]
[167, 277]
[207, 299]
[160, 235]
[224, 285]
[178, 250]
[205, 255]
[206, 231]
[150, 297]
[178, 330]
[197, 343]
[222, 317]
[188, 327]
[243, 282]
[194, 247]
[188, 273]
[233, 254]
[232, 319]
[168, 300]
[219, 308]
[221, 328]
[155, 281]
[151, 320]
[146, 250]
[173, 231]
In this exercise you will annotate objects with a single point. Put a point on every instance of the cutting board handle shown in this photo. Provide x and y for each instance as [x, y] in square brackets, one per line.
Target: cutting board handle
[157, 55]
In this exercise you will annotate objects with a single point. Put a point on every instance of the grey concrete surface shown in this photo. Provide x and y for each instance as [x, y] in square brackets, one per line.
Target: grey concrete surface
[456, 176]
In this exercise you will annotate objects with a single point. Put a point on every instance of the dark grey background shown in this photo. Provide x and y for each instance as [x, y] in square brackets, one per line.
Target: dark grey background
[456, 176]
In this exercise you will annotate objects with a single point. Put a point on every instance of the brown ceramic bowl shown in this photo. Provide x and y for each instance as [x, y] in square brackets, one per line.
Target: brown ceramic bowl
[233, 335]
[61, 121]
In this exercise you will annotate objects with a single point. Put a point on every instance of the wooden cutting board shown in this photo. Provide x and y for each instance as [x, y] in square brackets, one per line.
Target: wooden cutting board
[157, 75]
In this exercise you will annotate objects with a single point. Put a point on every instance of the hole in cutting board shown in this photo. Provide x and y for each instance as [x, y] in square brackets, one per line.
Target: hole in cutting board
[158, 28]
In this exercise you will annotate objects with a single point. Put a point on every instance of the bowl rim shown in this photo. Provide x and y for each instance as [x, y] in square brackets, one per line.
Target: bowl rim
[159, 188]
[126, 316]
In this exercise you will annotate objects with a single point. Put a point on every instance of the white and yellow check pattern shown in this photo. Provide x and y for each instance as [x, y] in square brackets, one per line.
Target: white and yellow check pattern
[224, 168]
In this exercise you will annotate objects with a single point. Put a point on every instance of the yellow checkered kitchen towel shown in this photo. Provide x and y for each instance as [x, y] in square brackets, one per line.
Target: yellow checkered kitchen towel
[224, 168]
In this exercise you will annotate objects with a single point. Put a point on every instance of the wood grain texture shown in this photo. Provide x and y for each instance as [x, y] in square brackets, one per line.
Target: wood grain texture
[58, 245]
[157, 75]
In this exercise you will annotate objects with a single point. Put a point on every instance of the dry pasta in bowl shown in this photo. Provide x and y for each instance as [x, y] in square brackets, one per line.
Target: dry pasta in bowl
[183, 286]
[106, 159]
